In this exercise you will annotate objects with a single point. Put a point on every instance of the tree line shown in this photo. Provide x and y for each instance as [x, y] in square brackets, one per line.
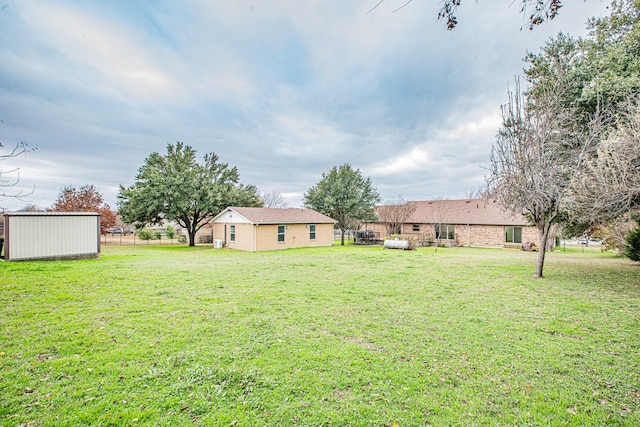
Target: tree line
[567, 152]
[175, 187]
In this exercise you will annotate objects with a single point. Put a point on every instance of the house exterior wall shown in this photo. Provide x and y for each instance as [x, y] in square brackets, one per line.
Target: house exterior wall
[250, 237]
[378, 227]
[296, 236]
[492, 236]
[481, 235]
[530, 234]
[244, 240]
[50, 236]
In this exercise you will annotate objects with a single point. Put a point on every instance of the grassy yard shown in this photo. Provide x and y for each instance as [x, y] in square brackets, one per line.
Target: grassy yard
[340, 336]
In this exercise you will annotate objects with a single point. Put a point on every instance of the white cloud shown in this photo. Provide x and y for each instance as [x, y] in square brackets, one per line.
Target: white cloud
[483, 125]
[104, 47]
[417, 158]
[301, 136]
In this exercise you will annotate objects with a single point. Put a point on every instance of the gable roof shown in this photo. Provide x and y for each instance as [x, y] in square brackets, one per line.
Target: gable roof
[278, 215]
[462, 212]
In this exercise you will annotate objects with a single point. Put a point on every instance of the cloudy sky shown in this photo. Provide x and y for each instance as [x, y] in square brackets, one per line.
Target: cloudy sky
[282, 89]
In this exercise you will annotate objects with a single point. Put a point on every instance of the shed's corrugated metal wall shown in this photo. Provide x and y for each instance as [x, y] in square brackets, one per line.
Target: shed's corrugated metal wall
[33, 237]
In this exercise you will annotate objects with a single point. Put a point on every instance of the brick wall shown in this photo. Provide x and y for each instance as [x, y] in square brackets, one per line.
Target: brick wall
[492, 236]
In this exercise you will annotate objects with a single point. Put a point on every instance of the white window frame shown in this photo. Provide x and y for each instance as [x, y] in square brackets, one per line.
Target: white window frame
[448, 229]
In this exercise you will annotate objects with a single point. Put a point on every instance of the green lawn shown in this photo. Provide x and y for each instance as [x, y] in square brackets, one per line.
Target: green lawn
[358, 336]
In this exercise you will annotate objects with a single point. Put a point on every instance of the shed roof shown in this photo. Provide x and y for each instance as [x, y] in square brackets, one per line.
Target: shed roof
[469, 211]
[50, 213]
[279, 215]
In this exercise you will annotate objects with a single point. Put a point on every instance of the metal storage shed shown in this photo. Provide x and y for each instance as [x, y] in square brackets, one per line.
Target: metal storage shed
[51, 235]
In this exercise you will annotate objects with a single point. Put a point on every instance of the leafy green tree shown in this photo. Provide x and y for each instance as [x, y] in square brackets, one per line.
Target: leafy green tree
[170, 232]
[145, 234]
[601, 77]
[603, 69]
[344, 195]
[176, 187]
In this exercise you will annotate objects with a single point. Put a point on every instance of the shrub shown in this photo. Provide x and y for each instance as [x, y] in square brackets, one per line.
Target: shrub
[632, 249]
[170, 232]
[413, 240]
[145, 234]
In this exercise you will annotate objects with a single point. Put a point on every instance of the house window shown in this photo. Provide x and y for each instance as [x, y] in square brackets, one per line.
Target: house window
[513, 235]
[232, 233]
[445, 232]
[281, 231]
[312, 232]
[416, 227]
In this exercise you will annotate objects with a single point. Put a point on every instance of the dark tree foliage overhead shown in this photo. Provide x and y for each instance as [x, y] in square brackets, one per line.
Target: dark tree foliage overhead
[536, 11]
[175, 187]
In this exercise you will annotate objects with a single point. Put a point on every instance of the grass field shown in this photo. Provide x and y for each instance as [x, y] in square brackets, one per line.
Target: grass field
[340, 336]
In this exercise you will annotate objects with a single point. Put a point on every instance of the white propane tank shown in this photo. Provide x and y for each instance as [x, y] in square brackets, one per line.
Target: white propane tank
[396, 244]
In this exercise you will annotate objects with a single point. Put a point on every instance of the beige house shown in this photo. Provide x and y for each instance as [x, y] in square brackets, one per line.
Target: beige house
[471, 222]
[265, 229]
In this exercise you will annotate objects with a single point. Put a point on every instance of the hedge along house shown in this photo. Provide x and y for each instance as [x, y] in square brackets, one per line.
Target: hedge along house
[471, 222]
[51, 235]
[265, 229]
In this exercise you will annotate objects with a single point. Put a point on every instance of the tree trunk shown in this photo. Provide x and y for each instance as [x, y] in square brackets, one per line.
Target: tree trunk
[192, 236]
[342, 237]
[543, 235]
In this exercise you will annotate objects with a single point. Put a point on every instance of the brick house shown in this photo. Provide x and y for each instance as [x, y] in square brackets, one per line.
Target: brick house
[471, 222]
[264, 229]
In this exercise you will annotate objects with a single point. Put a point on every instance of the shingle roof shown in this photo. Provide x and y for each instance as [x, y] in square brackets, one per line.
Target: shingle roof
[282, 215]
[470, 211]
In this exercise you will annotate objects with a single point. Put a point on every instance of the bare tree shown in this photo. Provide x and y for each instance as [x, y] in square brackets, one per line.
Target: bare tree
[613, 233]
[538, 150]
[436, 216]
[476, 193]
[31, 207]
[610, 186]
[395, 214]
[273, 199]
[10, 178]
